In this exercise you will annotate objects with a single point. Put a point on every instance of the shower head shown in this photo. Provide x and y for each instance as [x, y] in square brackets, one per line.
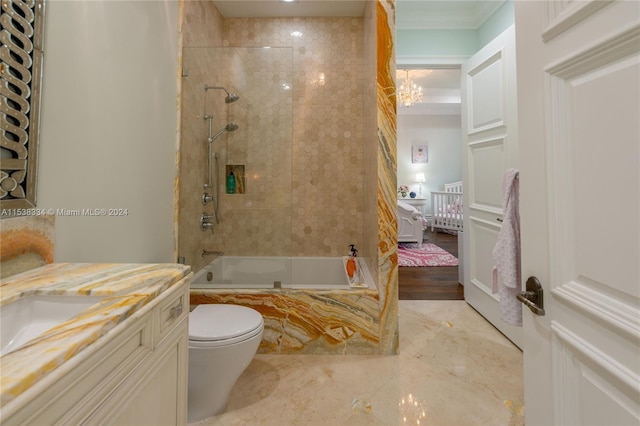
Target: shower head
[231, 97]
[231, 127]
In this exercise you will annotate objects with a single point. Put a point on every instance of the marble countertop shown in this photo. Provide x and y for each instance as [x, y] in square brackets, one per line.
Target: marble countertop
[126, 287]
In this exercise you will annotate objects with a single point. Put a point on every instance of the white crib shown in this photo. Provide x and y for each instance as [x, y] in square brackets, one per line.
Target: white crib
[446, 207]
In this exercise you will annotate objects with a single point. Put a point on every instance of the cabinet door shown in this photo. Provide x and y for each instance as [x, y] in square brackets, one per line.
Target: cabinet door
[156, 394]
[158, 402]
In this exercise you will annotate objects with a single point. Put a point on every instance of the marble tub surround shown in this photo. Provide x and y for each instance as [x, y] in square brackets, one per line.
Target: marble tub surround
[126, 287]
[26, 242]
[308, 321]
[453, 364]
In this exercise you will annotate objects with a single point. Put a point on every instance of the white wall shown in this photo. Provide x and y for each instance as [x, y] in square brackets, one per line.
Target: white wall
[108, 128]
[454, 43]
[442, 134]
[502, 19]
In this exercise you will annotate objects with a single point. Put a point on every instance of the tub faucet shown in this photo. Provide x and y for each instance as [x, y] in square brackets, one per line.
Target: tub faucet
[212, 253]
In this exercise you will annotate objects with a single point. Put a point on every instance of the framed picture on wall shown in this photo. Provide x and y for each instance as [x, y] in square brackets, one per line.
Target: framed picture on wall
[419, 154]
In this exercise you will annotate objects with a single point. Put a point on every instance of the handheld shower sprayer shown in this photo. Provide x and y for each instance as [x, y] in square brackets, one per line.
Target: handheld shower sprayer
[231, 127]
[211, 156]
[231, 97]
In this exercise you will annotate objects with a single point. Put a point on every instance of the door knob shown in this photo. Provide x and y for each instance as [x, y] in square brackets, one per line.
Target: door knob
[532, 296]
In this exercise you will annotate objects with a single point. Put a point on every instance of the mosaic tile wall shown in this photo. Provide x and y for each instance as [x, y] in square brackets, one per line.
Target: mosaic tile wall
[326, 159]
[370, 139]
[202, 26]
[300, 135]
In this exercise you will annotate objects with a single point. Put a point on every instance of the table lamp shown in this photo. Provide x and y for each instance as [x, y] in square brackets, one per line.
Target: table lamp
[420, 179]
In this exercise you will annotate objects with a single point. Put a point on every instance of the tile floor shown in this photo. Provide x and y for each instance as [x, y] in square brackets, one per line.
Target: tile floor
[454, 368]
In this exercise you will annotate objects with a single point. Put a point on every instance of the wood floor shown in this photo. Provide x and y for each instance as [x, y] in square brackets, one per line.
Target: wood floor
[432, 283]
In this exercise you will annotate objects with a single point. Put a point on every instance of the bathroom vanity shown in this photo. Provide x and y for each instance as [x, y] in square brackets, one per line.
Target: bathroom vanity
[121, 360]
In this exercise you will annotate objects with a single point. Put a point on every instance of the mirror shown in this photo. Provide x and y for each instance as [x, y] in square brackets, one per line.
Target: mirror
[21, 57]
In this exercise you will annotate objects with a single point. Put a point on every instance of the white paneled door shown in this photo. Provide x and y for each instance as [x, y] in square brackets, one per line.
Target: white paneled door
[579, 140]
[489, 123]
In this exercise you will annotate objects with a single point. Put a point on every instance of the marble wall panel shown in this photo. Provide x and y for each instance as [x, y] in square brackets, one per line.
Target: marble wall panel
[26, 242]
[387, 167]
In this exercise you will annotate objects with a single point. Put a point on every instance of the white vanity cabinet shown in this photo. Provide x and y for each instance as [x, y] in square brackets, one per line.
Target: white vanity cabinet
[136, 374]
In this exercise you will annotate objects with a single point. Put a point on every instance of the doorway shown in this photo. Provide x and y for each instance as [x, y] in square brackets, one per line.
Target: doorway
[430, 125]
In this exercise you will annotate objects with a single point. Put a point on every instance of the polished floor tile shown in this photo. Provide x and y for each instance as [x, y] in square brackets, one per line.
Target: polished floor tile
[454, 368]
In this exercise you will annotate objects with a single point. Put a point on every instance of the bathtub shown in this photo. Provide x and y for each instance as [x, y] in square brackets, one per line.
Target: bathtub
[244, 272]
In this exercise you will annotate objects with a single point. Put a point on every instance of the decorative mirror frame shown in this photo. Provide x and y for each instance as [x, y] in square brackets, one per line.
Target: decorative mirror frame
[21, 56]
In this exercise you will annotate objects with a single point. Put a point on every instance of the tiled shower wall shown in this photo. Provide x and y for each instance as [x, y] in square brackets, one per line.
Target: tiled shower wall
[202, 26]
[300, 136]
[326, 164]
[370, 140]
[256, 220]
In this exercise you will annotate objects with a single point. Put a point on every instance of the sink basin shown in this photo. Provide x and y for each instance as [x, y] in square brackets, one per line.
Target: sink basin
[28, 317]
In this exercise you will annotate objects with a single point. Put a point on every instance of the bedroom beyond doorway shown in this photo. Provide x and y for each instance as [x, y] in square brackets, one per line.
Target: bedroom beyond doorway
[432, 283]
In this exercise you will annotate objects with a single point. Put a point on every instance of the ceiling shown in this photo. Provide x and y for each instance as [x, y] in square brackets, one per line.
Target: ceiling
[410, 14]
[279, 8]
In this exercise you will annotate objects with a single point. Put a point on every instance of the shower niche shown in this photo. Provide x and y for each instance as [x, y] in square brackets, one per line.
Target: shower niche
[235, 179]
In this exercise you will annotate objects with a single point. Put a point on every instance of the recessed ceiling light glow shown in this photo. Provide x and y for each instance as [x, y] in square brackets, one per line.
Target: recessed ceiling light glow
[296, 33]
[287, 1]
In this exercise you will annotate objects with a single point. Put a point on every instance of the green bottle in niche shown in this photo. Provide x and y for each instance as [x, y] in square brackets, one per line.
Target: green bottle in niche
[231, 184]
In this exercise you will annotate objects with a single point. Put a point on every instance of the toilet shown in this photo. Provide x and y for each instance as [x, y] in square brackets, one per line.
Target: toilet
[222, 342]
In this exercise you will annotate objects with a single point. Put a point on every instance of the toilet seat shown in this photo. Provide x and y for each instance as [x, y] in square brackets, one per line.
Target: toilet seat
[221, 325]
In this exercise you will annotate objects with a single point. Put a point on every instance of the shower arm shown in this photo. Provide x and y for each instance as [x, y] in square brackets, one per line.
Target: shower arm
[207, 87]
[230, 98]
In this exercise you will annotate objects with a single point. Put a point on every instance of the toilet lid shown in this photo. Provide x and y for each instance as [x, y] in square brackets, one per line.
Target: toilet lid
[222, 322]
